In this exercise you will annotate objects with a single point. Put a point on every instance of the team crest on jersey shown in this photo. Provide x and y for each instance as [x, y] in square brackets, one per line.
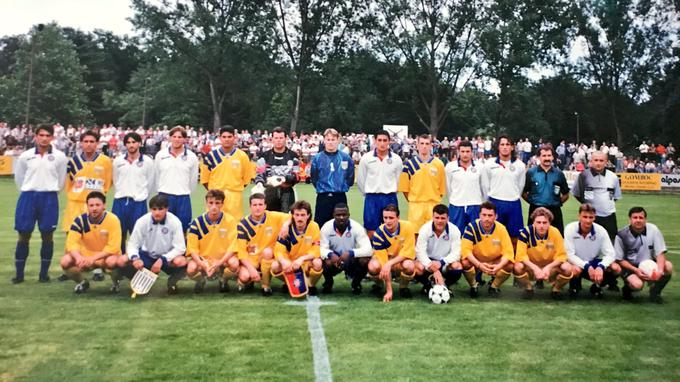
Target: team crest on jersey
[50, 157]
[78, 184]
[308, 240]
[104, 232]
[592, 238]
[348, 234]
[344, 165]
[98, 169]
[473, 169]
[512, 167]
[235, 163]
[445, 237]
[268, 231]
[389, 160]
[550, 245]
[184, 158]
[165, 230]
[496, 242]
[223, 232]
[433, 171]
[140, 164]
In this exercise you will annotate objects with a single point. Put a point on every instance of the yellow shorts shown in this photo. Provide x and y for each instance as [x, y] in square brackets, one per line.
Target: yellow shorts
[382, 259]
[306, 266]
[72, 211]
[233, 204]
[420, 212]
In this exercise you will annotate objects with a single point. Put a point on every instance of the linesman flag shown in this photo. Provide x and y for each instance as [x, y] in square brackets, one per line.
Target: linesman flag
[142, 282]
[297, 283]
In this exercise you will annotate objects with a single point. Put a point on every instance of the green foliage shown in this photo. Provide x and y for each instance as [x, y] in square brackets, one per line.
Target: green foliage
[58, 92]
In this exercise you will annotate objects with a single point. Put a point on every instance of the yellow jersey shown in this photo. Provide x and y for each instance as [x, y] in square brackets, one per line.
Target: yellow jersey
[299, 244]
[212, 239]
[540, 250]
[423, 181]
[231, 171]
[253, 237]
[83, 177]
[400, 243]
[486, 246]
[89, 237]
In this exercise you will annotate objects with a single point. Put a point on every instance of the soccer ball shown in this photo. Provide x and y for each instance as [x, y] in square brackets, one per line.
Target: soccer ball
[649, 268]
[439, 294]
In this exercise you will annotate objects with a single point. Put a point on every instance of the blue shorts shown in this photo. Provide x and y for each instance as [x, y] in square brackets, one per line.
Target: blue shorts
[373, 206]
[128, 211]
[594, 263]
[180, 206]
[39, 206]
[149, 261]
[462, 216]
[510, 215]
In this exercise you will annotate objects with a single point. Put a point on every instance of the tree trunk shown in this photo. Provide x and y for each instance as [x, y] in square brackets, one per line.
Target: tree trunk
[617, 128]
[296, 110]
[434, 118]
[217, 106]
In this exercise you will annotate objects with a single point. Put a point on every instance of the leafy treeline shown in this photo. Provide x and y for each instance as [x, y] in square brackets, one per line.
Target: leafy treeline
[530, 68]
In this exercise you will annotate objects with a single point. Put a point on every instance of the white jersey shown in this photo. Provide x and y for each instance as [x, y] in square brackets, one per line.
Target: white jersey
[376, 176]
[176, 175]
[158, 239]
[581, 250]
[444, 248]
[503, 180]
[464, 186]
[354, 240]
[35, 172]
[133, 180]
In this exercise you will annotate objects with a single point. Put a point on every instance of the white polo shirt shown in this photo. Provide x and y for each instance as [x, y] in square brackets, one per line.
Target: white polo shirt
[354, 240]
[581, 250]
[176, 175]
[375, 176]
[464, 186]
[44, 173]
[503, 180]
[444, 248]
[133, 180]
[165, 238]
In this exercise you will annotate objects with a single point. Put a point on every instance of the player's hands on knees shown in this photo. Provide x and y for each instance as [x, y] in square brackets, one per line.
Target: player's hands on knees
[287, 266]
[596, 274]
[80, 260]
[386, 273]
[434, 266]
[254, 275]
[138, 264]
[540, 274]
[156, 267]
[438, 278]
[296, 264]
[639, 273]
[344, 258]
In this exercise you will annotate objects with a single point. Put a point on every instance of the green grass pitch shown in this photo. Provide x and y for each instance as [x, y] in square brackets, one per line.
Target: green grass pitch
[50, 334]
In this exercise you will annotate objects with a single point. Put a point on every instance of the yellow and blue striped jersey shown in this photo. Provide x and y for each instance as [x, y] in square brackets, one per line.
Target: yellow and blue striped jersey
[253, 237]
[486, 246]
[212, 239]
[231, 171]
[89, 237]
[400, 243]
[83, 177]
[424, 181]
[540, 250]
[299, 244]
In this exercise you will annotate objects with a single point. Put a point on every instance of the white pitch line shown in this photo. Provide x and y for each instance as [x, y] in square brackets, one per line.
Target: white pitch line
[322, 364]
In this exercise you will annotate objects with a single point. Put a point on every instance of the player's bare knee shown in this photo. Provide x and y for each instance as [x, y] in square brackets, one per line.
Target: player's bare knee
[407, 266]
[576, 271]
[66, 261]
[110, 262]
[233, 263]
[566, 269]
[179, 261]
[121, 261]
[267, 254]
[374, 267]
[518, 269]
[615, 268]
[191, 268]
[634, 283]
[316, 264]
[466, 264]
[668, 268]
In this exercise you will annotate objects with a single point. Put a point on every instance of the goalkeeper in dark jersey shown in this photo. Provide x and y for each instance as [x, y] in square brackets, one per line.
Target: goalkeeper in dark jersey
[281, 166]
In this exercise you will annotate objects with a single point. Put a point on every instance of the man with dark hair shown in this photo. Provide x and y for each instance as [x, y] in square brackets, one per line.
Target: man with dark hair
[486, 247]
[39, 174]
[393, 253]
[300, 248]
[464, 186]
[590, 252]
[93, 242]
[346, 246]
[546, 186]
[133, 181]
[377, 178]
[157, 243]
[176, 173]
[277, 169]
[438, 250]
[228, 168]
[636, 243]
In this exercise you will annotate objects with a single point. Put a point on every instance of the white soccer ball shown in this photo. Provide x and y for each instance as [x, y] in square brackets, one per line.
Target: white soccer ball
[439, 294]
[649, 268]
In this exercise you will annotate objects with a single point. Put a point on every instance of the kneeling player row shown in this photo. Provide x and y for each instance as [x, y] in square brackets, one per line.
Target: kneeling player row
[266, 244]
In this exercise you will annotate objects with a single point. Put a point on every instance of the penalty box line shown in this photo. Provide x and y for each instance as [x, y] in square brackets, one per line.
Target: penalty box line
[322, 364]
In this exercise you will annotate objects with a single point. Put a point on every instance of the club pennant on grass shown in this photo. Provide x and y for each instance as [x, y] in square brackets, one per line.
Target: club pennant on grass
[142, 282]
[297, 283]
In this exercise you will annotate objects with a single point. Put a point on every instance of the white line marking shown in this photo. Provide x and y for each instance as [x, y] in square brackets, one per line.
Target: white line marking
[322, 364]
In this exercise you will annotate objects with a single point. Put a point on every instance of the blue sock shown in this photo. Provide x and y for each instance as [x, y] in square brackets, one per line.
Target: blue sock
[46, 251]
[20, 255]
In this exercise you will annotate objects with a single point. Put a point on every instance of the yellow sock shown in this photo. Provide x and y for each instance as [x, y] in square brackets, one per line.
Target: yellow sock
[470, 276]
[500, 278]
[523, 281]
[561, 281]
[74, 274]
[405, 279]
[314, 276]
[266, 269]
[227, 274]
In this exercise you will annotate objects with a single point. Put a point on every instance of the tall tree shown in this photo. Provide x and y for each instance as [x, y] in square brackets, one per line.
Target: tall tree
[517, 35]
[205, 33]
[627, 43]
[436, 41]
[47, 81]
[308, 31]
